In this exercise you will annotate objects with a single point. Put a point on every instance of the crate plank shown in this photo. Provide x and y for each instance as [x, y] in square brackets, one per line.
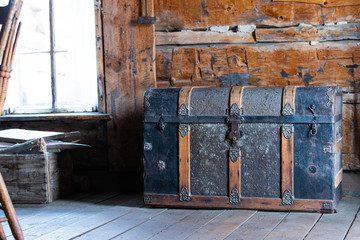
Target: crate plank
[36, 178]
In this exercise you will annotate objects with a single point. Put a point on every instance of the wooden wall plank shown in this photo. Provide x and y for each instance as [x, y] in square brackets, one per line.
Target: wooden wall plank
[173, 15]
[202, 37]
[326, 3]
[309, 33]
[129, 70]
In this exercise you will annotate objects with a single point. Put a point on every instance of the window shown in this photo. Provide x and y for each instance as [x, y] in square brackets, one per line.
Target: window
[55, 66]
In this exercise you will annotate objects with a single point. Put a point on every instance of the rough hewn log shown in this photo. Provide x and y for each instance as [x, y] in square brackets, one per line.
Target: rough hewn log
[202, 37]
[309, 33]
[326, 3]
[193, 14]
[260, 65]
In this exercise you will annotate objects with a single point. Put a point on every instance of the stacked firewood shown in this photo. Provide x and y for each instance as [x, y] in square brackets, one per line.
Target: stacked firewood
[8, 40]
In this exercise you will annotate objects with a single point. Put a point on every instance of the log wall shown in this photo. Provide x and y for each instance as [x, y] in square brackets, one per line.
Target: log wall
[129, 71]
[264, 43]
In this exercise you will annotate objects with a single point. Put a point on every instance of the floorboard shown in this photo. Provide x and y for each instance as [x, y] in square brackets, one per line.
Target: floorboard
[294, 226]
[114, 228]
[188, 225]
[258, 226]
[155, 225]
[335, 226]
[223, 225]
[87, 224]
[61, 211]
[118, 216]
[354, 231]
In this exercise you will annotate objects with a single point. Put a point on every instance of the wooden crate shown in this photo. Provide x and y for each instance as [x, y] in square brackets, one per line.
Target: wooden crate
[36, 178]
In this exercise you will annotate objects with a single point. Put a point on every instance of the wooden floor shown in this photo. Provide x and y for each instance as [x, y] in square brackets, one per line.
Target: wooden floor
[115, 216]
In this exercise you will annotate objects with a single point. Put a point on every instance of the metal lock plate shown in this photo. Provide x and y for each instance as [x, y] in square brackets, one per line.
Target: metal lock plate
[234, 133]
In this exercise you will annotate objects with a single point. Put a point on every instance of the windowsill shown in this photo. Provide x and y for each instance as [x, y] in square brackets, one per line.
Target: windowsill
[55, 117]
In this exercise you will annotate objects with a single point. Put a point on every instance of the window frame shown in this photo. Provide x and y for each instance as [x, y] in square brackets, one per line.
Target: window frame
[99, 44]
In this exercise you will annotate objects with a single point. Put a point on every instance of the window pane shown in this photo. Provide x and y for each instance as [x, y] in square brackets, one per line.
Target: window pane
[35, 31]
[29, 85]
[76, 53]
[75, 58]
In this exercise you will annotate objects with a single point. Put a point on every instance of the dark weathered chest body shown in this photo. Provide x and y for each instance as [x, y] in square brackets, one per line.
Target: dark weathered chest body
[243, 147]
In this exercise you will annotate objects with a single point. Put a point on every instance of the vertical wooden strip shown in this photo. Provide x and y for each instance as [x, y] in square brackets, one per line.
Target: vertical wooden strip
[184, 145]
[235, 154]
[235, 176]
[184, 101]
[236, 99]
[287, 161]
[287, 147]
[288, 102]
[184, 164]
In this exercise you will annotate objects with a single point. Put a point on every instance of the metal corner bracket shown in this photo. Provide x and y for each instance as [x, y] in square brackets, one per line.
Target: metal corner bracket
[234, 154]
[184, 195]
[287, 130]
[288, 110]
[287, 198]
[234, 196]
[183, 110]
[183, 129]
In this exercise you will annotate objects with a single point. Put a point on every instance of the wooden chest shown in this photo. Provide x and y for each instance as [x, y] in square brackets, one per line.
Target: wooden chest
[267, 148]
